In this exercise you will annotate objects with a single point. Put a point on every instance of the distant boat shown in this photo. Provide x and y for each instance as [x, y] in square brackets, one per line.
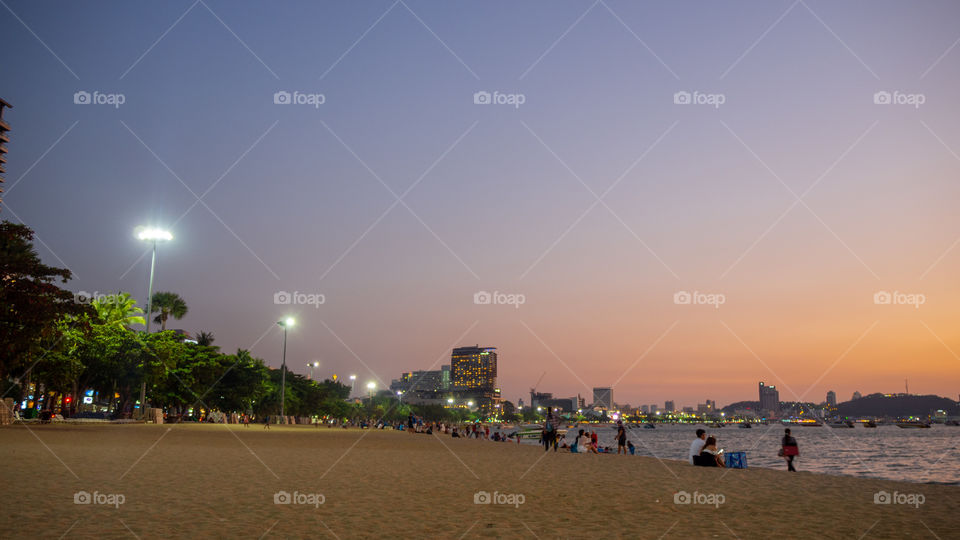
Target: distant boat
[870, 423]
[810, 424]
[649, 426]
[913, 425]
[745, 425]
[952, 423]
[716, 425]
[847, 424]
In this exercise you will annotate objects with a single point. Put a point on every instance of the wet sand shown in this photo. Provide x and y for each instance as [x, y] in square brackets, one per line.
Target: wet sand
[220, 481]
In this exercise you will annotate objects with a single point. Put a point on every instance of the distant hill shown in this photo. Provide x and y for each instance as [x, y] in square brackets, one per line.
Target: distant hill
[897, 405]
[740, 405]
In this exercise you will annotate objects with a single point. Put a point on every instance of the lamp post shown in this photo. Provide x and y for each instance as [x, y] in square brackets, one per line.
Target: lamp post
[312, 365]
[286, 323]
[150, 235]
[353, 385]
[370, 387]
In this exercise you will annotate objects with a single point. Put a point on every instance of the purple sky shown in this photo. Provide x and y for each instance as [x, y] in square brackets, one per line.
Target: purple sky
[787, 190]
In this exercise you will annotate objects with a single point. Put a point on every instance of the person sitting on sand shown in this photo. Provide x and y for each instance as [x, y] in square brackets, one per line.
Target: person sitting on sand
[455, 435]
[697, 445]
[710, 456]
[630, 447]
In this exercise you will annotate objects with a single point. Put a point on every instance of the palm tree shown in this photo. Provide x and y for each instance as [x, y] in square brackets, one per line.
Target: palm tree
[118, 310]
[168, 304]
[205, 339]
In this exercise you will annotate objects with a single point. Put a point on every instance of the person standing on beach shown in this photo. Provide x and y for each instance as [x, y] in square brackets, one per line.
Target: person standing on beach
[697, 445]
[266, 423]
[789, 449]
[621, 440]
[550, 430]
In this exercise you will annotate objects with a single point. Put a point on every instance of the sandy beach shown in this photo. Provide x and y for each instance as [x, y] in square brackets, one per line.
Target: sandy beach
[162, 481]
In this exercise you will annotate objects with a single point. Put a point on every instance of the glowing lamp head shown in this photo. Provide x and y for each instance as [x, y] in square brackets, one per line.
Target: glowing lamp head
[371, 385]
[154, 235]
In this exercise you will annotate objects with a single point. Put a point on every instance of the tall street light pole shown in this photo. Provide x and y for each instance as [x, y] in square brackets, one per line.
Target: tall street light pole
[286, 323]
[151, 235]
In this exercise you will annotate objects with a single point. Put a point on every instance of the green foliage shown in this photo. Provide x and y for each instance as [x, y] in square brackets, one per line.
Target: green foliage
[167, 304]
[118, 310]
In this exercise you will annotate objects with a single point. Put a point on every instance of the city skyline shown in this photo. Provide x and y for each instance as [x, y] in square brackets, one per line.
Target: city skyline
[672, 201]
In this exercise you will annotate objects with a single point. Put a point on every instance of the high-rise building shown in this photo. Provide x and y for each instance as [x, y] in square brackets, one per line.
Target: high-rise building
[769, 398]
[669, 406]
[603, 397]
[832, 398]
[4, 138]
[645, 409]
[473, 372]
[856, 395]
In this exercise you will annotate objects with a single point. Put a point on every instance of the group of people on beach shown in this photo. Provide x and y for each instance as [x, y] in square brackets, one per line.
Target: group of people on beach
[704, 451]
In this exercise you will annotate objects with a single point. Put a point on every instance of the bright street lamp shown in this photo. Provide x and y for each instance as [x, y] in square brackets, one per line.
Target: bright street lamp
[151, 235]
[370, 387]
[286, 323]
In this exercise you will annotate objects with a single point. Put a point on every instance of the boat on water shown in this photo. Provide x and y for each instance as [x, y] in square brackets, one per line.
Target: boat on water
[649, 426]
[745, 425]
[716, 425]
[952, 423]
[870, 423]
[913, 425]
[846, 424]
[809, 424]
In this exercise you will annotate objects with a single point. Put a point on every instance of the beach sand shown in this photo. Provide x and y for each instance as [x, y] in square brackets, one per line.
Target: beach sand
[220, 481]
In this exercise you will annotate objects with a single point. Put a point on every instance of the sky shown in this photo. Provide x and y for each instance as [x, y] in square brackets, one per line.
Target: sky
[674, 199]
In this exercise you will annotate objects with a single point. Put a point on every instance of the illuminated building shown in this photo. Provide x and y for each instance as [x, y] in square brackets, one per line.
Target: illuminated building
[769, 398]
[4, 138]
[473, 374]
[832, 398]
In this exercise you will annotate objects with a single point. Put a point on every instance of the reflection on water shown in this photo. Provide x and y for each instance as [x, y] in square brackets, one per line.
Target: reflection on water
[887, 451]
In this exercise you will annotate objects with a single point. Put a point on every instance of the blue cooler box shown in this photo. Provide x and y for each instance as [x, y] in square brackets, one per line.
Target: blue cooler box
[736, 460]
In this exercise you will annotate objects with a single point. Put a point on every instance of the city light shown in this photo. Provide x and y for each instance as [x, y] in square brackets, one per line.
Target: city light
[148, 233]
[371, 385]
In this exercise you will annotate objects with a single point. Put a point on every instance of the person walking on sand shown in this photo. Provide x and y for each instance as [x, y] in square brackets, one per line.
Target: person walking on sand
[246, 420]
[266, 423]
[789, 449]
[696, 446]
